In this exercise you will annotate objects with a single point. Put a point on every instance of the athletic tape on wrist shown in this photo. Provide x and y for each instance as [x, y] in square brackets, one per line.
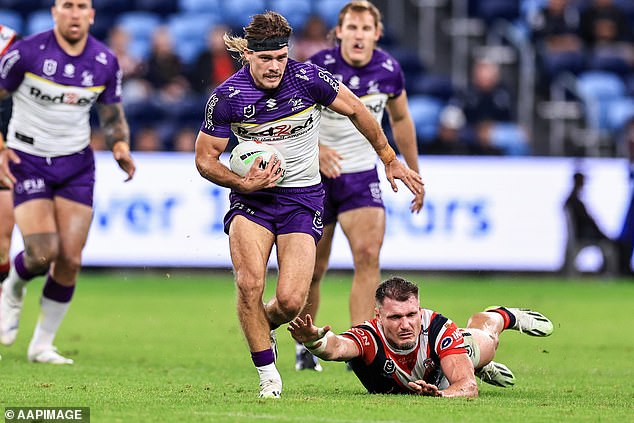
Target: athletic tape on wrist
[387, 154]
[311, 346]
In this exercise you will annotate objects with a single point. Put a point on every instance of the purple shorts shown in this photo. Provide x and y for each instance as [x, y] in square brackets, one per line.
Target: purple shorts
[350, 191]
[71, 177]
[281, 210]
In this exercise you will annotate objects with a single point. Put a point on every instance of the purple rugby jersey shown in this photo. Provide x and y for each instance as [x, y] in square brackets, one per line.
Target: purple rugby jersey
[286, 117]
[53, 93]
[375, 83]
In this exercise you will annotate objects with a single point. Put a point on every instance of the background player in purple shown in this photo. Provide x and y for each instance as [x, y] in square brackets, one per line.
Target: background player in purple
[409, 349]
[278, 101]
[348, 165]
[55, 77]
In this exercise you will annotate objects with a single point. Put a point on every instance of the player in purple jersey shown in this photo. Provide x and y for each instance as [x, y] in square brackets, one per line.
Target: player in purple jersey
[350, 178]
[278, 101]
[55, 78]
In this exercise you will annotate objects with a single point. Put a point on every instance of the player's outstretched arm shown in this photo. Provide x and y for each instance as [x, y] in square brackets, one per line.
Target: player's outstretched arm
[405, 138]
[321, 342]
[458, 369]
[117, 136]
[348, 104]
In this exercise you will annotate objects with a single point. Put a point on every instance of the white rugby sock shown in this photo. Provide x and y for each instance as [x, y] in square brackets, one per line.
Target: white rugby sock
[269, 372]
[52, 314]
[14, 282]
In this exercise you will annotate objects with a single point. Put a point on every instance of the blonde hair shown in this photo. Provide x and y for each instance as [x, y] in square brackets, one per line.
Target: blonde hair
[362, 6]
[262, 26]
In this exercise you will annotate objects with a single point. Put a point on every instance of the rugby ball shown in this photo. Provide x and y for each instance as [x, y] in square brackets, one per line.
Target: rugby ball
[244, 154]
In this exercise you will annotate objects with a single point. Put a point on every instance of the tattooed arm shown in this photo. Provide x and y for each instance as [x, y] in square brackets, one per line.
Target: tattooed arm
[117, 134]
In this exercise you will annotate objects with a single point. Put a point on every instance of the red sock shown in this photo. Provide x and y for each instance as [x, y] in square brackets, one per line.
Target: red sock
[509, 318]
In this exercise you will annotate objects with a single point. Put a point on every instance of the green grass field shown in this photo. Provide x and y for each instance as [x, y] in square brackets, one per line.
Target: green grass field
[168, 348]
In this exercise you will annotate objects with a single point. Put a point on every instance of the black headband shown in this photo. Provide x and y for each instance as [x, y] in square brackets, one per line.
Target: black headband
[268, 44]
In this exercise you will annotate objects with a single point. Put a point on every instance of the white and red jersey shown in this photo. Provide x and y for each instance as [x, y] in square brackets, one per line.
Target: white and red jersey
[383, 369]
[7, 36]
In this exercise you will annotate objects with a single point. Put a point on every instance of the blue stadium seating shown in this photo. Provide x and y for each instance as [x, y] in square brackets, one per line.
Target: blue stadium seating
[39, 21]
[11, 19]
[295, 11]
[597, 91]
[329, 10]
[162, 7]
[425, 111]
[140, 25]
[619, 112]
[510, 138]
[238, 12]
[189, 33]
[198, 6]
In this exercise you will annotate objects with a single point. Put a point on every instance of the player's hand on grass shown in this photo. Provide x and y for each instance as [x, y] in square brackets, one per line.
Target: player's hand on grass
[305, 331]
[421, 387]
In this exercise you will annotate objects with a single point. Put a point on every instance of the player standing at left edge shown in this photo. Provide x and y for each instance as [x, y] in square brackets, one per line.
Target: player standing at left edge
[55, 77]
[7, 37]
[278, 101]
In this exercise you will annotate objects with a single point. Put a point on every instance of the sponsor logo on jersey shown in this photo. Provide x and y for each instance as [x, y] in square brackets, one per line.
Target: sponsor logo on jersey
[329, 59]
[234, 92]
[271, 104]
[446, 342]
[209, 112]
[376, 108]
[388, 64]
[69, 70]
[280, 130]
[7, 62]
[72, 98]
[102, 58]
[330, 81]
[31, 186]
[249, 111]
[49, 67]
[304, 77]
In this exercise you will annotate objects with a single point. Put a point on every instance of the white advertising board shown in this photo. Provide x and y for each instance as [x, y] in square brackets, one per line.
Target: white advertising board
[479, 214]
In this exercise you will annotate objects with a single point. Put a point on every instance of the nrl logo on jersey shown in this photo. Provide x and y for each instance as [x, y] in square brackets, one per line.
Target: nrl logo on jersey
[249, 111]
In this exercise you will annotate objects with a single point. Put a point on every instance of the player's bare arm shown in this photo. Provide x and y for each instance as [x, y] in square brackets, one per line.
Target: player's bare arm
[347, 104]
[458, 369]
[405, 138]
[117, 135]
[321, 342]
[208, 151]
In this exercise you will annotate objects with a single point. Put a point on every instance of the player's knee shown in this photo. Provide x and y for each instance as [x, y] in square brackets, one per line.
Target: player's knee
[249, 290]
[290, 307]
[41, 250]
[367, 254]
